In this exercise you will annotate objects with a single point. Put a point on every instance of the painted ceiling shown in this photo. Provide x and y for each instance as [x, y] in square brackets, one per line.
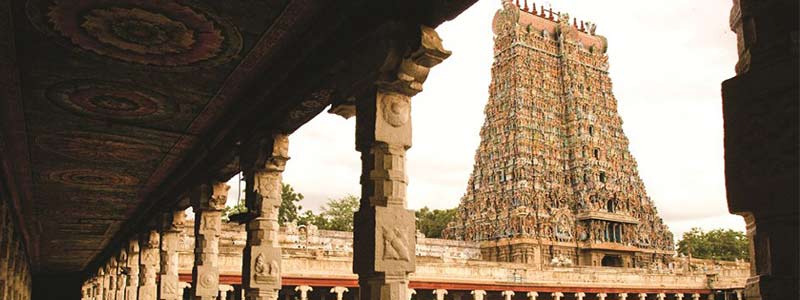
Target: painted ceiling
[108, 102]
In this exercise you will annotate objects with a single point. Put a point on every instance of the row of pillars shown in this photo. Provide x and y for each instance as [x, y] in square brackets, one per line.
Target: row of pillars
[384, 230]
[15, 277]
[532, 295]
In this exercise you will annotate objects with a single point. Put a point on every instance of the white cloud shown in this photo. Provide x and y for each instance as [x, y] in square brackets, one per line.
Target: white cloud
[667, 60]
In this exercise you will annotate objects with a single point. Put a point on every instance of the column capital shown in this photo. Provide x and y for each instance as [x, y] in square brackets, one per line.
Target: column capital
[478, 294]
[532, 295]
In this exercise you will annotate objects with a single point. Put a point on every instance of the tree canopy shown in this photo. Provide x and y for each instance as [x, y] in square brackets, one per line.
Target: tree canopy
[289, 209]
[432, 222]
[721, 244]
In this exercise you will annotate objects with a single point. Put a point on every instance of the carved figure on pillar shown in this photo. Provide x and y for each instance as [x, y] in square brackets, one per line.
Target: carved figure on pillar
[264, 161]
[208, 201]
[149, 265]
[384, 229]
[171, 223]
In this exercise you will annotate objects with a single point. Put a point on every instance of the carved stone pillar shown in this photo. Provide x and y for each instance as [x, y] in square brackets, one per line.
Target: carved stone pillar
[507, 295]
[339, 291]
[122, 259]
[101, 284]
[224, 289]
[602, 296]
[111, 279]
[642, 296]
[264, 162]
[532, 295]
[148, 266]
[439, 293]
[695, 296]
[623, 296]
[679, 296]
[478, 294]
[303, 290]
[171, 224]
[580, 295]
[557, 295]
[661, 296]
[182, 286]
[760, 111]
[208, 202]
[384, 231]
[132, 286]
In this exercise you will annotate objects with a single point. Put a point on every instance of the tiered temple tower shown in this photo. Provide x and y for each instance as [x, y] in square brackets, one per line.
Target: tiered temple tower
[553, 180]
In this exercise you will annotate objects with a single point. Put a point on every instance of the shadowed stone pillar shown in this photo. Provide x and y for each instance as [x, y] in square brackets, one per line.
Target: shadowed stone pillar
[695, 296]
[208, 202]
[263, 162]
[532, 295]
[303, 290]
[148, 266]
[5, 236]
[132, 286]
[384, 230]
[410, 294]
[171, 224]
[762, 169]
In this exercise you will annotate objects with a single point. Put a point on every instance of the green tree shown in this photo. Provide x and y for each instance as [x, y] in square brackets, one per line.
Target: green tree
[721, 244]
[432, 222]
[289, 210]
[337, 214]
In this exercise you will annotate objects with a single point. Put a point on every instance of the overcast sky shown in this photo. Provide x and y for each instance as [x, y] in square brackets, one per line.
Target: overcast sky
[667, 60]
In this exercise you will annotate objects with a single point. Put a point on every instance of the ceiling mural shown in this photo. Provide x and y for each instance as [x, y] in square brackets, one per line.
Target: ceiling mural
[117, 105]
[171, 35]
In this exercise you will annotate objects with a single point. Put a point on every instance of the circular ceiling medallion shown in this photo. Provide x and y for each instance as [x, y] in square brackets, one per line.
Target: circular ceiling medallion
[156, 33]
[92, 178]
[112, 101]
[92, 146]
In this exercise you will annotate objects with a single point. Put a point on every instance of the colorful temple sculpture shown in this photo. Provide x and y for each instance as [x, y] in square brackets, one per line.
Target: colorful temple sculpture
[553, 177]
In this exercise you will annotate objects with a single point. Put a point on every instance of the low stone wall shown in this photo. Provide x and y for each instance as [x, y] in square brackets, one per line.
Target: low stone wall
[310, 253]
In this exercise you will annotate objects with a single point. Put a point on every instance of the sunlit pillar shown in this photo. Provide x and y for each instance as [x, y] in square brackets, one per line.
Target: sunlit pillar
[303, 290]
[695, 296]
[263, 164]
[149, 265]
[507, 295]
[642, 296]
[679, 296]
[339, 291]
[208, 201]
[132, 286]
[557, 295]
[224, 289]
[478, 294]
[122, 259]
[623, 296]
[439, 293]
[171, 223]
[602, 296]
[532, 295]
[384, 229]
